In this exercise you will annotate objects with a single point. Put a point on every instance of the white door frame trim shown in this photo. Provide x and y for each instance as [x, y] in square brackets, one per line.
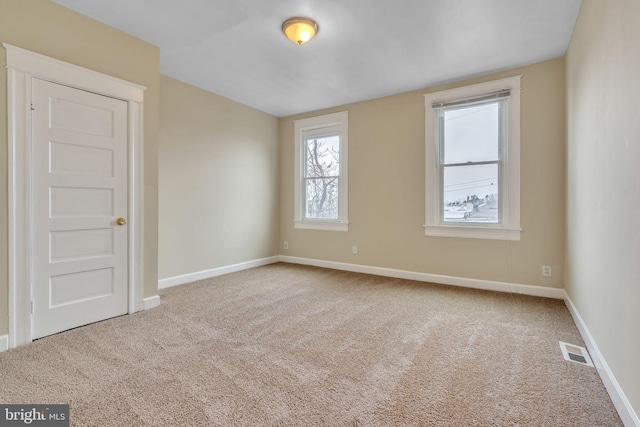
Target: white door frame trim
[22, 66]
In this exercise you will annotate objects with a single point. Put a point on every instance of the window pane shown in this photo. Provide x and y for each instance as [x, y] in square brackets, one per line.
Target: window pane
[471, 193]
[322, 156]
[471, 133]
[321, 198]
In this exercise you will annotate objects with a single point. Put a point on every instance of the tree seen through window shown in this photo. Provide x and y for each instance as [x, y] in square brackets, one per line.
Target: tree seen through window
[322, 176]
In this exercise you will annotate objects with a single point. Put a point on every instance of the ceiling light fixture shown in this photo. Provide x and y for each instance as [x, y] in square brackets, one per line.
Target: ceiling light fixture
[299, 30]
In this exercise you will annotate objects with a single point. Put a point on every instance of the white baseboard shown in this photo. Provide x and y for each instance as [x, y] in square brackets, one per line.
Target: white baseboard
[206, 274]
[151, 302]
[4, 343]
[538, 291]
[622, 404]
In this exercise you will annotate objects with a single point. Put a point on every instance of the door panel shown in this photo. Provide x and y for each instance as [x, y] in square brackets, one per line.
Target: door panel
[81, 201]
[79, 187]
[79, 117]
[81, 286]
[80, 244]
[72, 159]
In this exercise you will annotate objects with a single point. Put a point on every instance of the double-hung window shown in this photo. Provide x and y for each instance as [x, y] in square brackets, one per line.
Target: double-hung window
[473, 161]
[321, 153]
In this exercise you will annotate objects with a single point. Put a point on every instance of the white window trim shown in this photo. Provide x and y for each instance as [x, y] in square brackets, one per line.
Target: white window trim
[509, 228]
[339, 120]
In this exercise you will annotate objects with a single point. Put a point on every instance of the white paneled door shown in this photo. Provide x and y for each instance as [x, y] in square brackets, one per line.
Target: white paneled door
[79, 208]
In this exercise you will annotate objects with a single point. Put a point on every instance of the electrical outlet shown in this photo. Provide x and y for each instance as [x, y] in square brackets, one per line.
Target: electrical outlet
[354, 249]
[546, 271]
[286, 245]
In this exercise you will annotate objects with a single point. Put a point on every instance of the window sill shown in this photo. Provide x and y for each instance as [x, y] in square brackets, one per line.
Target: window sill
[471, 232]
[322, 225]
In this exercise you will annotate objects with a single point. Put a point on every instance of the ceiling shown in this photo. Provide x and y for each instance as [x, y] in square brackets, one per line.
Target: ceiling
[364, 49]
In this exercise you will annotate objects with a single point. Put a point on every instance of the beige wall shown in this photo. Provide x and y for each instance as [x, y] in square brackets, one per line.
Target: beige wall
[603, 182]
[218, 180]
[47, 28]
[386, 190]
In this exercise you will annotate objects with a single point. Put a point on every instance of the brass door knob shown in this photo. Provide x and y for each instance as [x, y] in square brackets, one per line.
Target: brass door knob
[121, 221]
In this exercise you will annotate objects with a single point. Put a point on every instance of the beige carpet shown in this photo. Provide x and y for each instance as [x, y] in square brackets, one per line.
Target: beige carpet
[287, 345]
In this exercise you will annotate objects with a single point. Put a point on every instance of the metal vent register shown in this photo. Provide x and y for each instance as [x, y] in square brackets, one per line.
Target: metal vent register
[575, 353]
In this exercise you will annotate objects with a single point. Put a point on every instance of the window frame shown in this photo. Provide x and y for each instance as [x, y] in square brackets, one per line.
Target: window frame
[508, 227]
[335, 123]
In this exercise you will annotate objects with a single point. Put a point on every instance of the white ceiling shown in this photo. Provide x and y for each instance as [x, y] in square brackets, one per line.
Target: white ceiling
[364, 49]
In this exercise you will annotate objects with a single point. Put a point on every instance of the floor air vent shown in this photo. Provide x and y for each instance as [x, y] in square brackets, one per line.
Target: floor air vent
[575, 353]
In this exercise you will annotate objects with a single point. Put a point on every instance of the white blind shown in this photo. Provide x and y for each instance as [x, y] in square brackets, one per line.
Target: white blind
[493, 96]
